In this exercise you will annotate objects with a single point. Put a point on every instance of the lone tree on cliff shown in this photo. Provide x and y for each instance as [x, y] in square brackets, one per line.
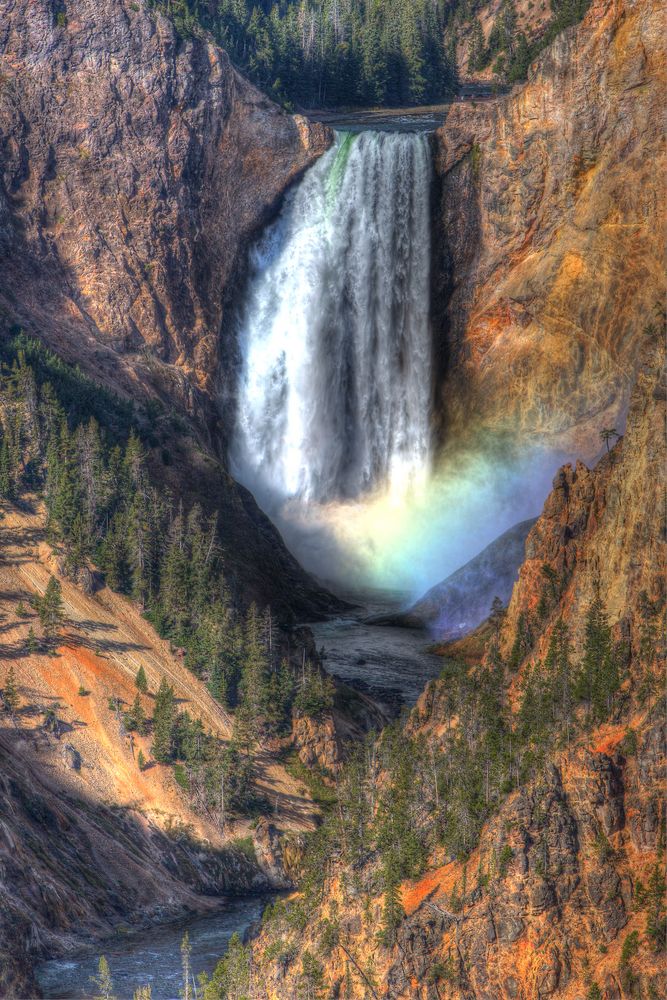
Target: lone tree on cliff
[607, 434]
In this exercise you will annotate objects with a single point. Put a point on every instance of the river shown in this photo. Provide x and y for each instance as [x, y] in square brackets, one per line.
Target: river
[390, 663]
[383, 660]
[418, 119]
[152, 956]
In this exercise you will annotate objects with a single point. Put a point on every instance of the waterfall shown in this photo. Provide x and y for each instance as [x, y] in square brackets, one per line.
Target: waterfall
[334, 392]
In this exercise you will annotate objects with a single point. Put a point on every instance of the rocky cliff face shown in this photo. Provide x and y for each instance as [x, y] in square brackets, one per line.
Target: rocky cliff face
[532, 19]
[134, 169]
[602, 531]
[548, 249]
[563, 894]
[74, 869]
[552, 919]
[89, 839]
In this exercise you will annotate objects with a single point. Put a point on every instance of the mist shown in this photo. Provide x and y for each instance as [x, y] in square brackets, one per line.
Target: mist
[408, 540]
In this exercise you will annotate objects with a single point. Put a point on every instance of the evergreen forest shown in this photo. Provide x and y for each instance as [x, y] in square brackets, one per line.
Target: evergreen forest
[346, 53]
[82, 452]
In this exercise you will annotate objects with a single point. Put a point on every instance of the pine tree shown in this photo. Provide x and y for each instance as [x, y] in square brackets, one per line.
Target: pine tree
[648, 630]
[349, 987]
[10, 695]
[6, 478]
[163, 723]
[497, 615]
[113, 554]
[186, 952]
[599, 677]
[141, 680]
[518, 68]
[50, 609]
[66, 499]
[608, 434]
[135, 719]
[476, 52]
[31, 642]
[231, 978]
[219, 642]
[522, 642]
[559, 676]
[244, 730]
[103, 981]
[255, 669]
[374, 61]
[392, 911]
[141, 760]
[174, 577]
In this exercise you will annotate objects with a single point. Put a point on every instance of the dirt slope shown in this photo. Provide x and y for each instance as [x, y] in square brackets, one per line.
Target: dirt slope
[104, 643]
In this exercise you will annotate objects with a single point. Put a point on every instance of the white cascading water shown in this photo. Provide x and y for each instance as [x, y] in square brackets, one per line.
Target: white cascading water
[335, 386]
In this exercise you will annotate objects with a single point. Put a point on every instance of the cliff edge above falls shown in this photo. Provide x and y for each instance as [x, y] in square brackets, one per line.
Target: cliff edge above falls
[548, 244]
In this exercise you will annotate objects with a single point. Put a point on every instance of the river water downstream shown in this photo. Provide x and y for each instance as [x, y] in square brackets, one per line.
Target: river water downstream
[391, 664]
[383, 660]
[151, 957]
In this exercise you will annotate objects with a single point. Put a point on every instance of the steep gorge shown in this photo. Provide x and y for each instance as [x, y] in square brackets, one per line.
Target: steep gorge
[551, 898]
[90, 841]
[136, 171]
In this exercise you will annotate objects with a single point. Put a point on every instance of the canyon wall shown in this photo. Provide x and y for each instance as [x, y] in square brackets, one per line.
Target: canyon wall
[135, 167]
[550, 212]
[602, 531]
[562, 893]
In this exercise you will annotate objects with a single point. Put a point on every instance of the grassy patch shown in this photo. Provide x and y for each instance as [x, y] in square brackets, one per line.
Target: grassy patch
[322, 794]
[245, 846]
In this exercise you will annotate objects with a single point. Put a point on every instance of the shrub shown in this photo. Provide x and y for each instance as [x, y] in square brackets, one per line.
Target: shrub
[504, 860]
[603, 849]
[246, 846]
[181, 776]
[629, 978]
[629, 744]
